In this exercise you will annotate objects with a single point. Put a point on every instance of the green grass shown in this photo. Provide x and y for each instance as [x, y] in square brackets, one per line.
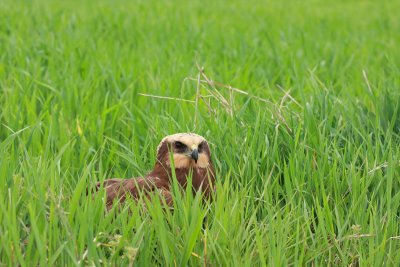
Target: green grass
[310, 177]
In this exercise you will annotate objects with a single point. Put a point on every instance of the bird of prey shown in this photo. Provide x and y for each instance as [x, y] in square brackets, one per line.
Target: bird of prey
[191, 157]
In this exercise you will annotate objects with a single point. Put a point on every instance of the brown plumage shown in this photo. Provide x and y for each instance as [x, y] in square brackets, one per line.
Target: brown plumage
[191, 156]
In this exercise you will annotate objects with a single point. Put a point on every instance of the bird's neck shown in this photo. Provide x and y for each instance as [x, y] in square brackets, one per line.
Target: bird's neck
[164, 172]
[201, 177]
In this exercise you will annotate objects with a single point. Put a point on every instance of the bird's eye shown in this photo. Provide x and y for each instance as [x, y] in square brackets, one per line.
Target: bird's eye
[201, 147]
[179, 145]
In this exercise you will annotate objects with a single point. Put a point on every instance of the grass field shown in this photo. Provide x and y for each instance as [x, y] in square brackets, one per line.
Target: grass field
[307, 156]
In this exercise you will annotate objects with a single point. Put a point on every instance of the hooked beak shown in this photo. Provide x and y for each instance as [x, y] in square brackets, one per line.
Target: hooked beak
[194, 155]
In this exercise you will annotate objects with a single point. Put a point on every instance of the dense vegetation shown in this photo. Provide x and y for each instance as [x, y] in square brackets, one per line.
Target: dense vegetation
[307, 154]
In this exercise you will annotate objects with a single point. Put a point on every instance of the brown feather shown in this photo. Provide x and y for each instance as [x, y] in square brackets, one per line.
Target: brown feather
[158, 181]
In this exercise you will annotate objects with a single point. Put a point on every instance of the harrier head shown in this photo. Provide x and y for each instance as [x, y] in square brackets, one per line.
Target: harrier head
[188, 150]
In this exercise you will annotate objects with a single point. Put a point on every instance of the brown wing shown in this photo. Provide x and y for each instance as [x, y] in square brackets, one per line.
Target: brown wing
[119, 189]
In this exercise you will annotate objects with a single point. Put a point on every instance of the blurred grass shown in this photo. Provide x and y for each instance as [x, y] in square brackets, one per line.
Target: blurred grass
[310, 178]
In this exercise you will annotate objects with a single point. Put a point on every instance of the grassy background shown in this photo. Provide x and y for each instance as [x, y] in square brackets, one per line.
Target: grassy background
[309, 177]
